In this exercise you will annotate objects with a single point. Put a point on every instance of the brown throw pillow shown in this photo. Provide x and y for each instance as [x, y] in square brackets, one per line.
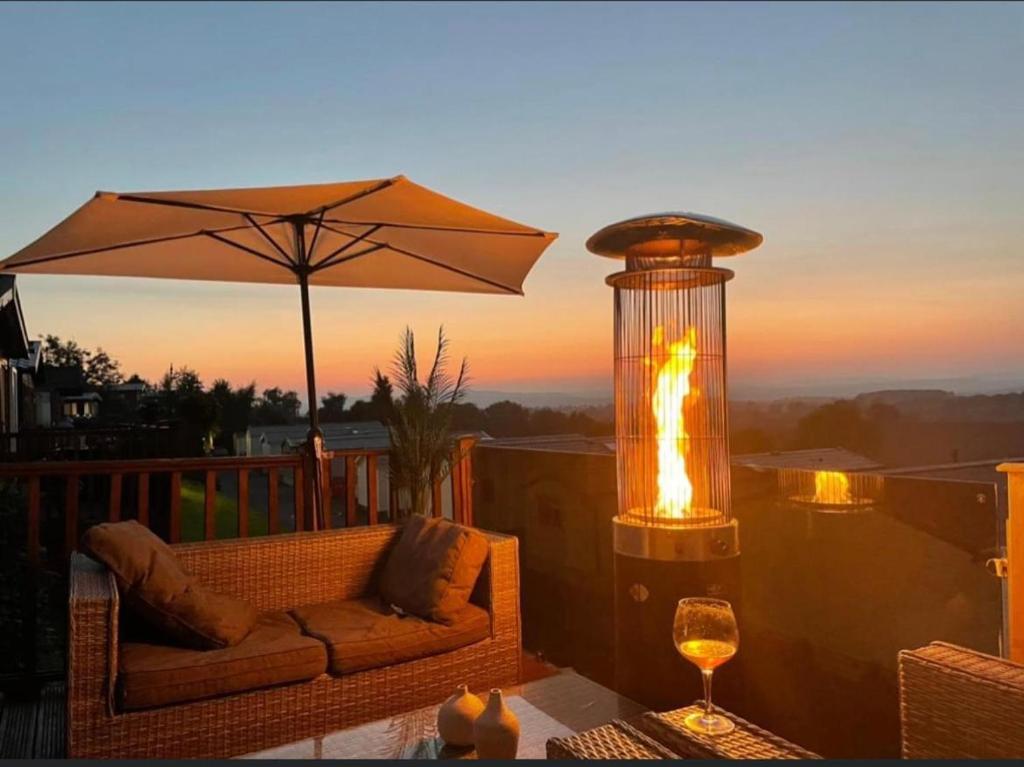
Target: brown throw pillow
[158, 590]
[433, 567]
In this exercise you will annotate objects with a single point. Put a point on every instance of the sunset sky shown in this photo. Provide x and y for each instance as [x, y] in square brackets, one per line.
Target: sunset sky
[879, 148]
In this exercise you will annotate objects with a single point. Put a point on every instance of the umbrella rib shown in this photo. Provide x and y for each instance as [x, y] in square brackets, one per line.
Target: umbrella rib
[432, 262]
[358, 195]
[193, 205]
[269, 239]
[326, 264]
[439, 228]
[121, 246]
[248, 250]
[347, 245]
[316, 233]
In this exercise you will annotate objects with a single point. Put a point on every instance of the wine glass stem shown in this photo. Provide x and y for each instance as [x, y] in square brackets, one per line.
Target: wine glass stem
[708, 708]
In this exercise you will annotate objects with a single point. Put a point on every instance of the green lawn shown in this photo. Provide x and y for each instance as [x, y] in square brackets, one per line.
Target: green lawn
[193, 504]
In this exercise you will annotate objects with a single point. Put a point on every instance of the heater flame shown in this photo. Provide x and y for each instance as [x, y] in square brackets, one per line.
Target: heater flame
[832, 487]
[671, 390]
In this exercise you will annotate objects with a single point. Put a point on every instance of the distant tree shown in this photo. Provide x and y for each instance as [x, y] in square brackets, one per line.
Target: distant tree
[507, 419]
[468, 417]
[234, 410]
[64, 354]
[187, 381]
[360, 410]
[380, 405]
[839, 424]
[277, 407]
[750, 440]
[332, 407]
[180, 397]
[102, 370]
[546, 420]
[382, 401]
[579, 422]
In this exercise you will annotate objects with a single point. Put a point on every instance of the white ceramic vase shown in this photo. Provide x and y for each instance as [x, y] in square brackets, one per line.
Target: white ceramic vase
[456, 716]
[496, 730]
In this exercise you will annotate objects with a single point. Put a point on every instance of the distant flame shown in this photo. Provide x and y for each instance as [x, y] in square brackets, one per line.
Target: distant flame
[832, 487]
[671, 389]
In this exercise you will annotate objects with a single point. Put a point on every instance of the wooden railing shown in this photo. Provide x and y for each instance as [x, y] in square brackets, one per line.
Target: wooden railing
[206, 498]
[279, 469]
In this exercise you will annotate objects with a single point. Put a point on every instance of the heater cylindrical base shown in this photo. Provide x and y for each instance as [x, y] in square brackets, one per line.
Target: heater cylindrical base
[676, 543]
[648, 668]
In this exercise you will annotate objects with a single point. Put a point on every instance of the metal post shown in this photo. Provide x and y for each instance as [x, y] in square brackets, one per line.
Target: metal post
[314, 441]
[307, 337]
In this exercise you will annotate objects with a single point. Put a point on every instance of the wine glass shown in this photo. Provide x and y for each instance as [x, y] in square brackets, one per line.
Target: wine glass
[705, 633]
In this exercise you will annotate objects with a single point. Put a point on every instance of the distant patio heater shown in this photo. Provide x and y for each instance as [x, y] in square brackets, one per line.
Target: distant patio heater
[674, 535]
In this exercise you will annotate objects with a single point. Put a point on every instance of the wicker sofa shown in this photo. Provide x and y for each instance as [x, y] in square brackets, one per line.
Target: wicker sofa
[276, 573]
[960, 704]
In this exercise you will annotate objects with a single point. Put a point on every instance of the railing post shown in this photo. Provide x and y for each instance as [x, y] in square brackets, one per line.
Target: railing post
[210, 506]
[350, 491]
[143, 499]
[326, 490]
[243, 503]
[371, 489]
[463, 475]
[175, 507]
[299, 500]
[1015, 557]
[273, 504]
[114, 508]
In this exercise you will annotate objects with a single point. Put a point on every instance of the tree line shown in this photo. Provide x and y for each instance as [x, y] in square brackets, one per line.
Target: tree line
[220, 410]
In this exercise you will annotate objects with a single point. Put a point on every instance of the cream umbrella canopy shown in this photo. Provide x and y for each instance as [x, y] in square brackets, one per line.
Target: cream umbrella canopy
[381, 233]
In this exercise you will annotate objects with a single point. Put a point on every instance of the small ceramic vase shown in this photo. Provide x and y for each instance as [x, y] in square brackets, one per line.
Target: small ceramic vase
[496, 731]
[456, 716]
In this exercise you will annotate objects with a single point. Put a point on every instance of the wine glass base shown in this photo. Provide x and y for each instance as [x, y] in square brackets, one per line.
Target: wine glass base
[703, 724]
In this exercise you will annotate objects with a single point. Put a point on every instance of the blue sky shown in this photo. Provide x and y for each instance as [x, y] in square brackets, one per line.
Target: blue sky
[878, 147]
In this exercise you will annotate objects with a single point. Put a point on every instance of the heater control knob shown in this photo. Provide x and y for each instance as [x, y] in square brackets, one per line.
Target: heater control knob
[639, 592]
[719, 547]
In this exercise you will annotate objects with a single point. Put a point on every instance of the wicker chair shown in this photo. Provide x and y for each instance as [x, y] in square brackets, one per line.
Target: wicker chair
[276, 573]
[960, 704]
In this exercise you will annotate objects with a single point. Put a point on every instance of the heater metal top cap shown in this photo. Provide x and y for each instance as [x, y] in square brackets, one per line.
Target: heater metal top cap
[680, 234]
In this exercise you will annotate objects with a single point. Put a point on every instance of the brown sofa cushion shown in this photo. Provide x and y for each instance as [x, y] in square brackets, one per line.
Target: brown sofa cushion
[155, 587]
[275, 652]
[365, 633]
[433, 567]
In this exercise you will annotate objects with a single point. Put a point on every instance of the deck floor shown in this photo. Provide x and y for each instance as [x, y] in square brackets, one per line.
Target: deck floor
[33, 728]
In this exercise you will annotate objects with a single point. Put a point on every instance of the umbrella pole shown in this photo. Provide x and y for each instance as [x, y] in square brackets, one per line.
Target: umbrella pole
[314, 442]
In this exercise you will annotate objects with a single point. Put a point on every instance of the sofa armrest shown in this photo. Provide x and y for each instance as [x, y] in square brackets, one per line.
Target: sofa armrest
[956, 703]
[92, 637]
[503, 591]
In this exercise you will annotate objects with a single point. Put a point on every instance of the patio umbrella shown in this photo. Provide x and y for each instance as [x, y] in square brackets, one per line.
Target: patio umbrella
[382, 233]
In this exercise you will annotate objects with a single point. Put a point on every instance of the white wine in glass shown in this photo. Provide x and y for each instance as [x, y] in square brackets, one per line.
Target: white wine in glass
[705, 633]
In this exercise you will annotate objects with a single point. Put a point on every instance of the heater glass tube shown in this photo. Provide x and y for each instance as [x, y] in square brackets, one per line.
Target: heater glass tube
[670, 396]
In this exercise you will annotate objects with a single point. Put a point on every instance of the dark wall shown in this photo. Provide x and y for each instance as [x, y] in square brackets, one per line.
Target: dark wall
[828, 599]
[560, 505]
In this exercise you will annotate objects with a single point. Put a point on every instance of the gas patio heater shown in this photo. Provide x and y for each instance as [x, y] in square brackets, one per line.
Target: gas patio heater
[674, 535]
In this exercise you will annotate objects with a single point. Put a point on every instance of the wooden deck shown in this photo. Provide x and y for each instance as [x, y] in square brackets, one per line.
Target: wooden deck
[33, 728]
